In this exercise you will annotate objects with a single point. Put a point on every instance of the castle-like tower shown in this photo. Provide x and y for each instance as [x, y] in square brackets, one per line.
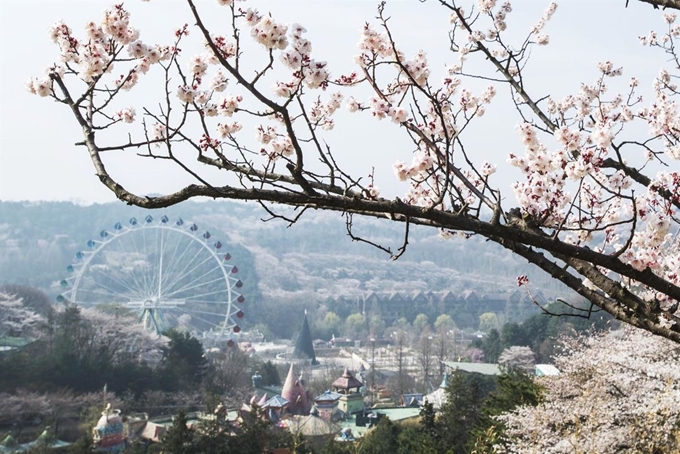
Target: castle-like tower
[351, 400]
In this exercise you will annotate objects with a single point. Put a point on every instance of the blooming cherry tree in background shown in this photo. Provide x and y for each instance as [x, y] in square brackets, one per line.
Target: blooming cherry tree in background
[588, 210]
[16, 320]
[120, 337]
[517, 358]
[617, 391]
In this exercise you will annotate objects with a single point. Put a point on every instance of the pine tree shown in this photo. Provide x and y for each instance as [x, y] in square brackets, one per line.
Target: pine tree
[461, 412]
[492, 346]
[304, 348]
[515, 389]
[179, 438]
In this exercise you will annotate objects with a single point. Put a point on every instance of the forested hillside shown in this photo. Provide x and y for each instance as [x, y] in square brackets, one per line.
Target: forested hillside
[302, 265]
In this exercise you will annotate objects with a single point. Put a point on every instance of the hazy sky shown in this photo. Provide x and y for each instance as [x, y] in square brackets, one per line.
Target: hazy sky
[38, 160]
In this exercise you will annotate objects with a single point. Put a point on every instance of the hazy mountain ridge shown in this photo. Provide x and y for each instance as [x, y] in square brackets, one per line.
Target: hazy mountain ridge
[314, 258]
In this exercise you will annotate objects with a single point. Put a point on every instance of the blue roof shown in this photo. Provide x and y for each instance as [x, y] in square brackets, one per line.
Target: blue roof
[328, 395]
[276, 402]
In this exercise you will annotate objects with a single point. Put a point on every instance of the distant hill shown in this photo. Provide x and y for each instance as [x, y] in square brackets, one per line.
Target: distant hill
[302, 265]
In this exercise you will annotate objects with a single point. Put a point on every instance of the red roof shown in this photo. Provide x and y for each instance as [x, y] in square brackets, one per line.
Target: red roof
[347, 381]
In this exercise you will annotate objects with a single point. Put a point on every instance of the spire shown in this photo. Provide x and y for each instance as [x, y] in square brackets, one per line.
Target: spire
[303, 345]
[445, 381]
[294, 393]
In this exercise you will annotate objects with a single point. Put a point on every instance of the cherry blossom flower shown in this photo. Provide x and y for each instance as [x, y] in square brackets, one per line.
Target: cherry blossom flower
[219, 82]
[125, 115]
[228, 129]
[185, 93]
[228, 105]
[41, 87]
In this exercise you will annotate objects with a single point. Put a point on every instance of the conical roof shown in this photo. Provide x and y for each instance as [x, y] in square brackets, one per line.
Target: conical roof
[295, 393]
[347, 381]
[445, 381]
[9, 441]
[303, 345]
[46, 436]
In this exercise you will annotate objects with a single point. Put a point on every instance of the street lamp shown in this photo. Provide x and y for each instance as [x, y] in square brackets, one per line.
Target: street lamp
[372, 366]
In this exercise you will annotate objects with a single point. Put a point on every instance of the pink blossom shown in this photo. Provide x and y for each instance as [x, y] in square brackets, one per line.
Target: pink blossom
[41, 87]
[265, 134]
[228, 105]
[125, 115]
[185, 93]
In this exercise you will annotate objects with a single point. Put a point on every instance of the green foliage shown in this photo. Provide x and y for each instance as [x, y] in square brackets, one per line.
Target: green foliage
[83, 445]
[383, 439]
[491, 346]
[263, 329]
[540, 332]
[411, 439]
[376, 326]
[337, 447]
[488, 321]
[270, 374]
[514, 389]
[443, 323]
[217, 435]
[332, 322]
[179, 438]
[138, 447]
[355, 324]
[462, 410]
[428, 421]
[68, 357]
[420, 322]
[513, 334]
[184, 363]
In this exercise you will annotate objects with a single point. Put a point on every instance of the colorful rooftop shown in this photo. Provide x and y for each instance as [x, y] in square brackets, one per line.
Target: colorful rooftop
[347, 381]
[294, 393]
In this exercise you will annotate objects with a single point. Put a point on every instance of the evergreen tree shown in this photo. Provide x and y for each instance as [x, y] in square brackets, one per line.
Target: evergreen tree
[491, 345]
[304, 348]
[515, 389]
[179, 439]
[83, 445]
[270, 374]
[512, 334]
[412, 439]
[382, 439]
[428, 422]
[184, 363]
[461, 412]
[336, 447]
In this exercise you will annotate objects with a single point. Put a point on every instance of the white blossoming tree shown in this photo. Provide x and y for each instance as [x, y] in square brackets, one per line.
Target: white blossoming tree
[16, 320]
[518, 358]
[587, 211]
[114, 338]
[618, 392]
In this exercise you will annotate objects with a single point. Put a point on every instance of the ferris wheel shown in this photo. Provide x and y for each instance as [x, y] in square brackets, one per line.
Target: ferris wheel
[166, 273]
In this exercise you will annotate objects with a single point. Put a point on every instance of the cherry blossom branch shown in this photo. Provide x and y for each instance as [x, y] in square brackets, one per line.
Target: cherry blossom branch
[626, 274]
